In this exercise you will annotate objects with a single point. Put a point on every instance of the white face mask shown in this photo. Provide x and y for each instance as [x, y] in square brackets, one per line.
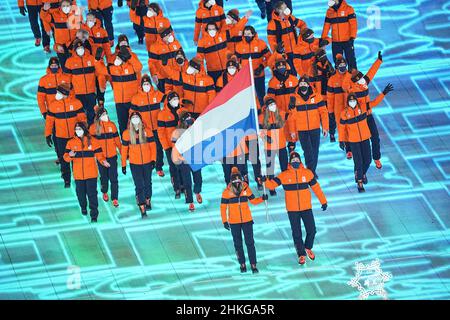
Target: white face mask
[80, 51]
[228, 20]
[175, 102]
[331, 3]
[146, 87]
[90, 23]
[212, 33]
[79, 132]
[362, 81]
[65, 9]
[287, 11]
[231, 70]
[272, 107]
[118, 61]
[59, 96]
[352, 103]
[104, 117]
[170, 39]
[190, 70]
[150, 13]
[123, 43]
[212, 2]
[135, 121]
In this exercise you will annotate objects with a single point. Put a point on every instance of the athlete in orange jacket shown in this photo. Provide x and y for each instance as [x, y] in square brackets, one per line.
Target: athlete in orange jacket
[341, 18]
[98, 35]
[271, 123]
[153, 21]
[173, 75]
[234, 27]
[282, 86]
[83, 76]
[296, 181]
[105, 131]
[62, 114]
[232, 67]
[282, 28]
[303, 51]
[212, 48]
[309, 112]
[236, 216]
[358, 83]
[167, 122]
[138, 10]
[33, 7]
[198, 87]
[252, 46]
[207, 12]
[162, 56]
[82, 150]
[104, 12]
[125, 76]
[63, 23]
[147, 101]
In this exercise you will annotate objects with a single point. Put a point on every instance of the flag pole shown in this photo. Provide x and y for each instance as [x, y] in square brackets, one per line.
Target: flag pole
[260, 149]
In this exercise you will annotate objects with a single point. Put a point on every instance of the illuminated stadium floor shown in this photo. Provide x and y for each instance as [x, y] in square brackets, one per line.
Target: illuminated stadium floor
[402, 219]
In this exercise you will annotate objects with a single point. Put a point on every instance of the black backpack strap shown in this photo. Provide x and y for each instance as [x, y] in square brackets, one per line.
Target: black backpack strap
[291, 20]
[278, 30]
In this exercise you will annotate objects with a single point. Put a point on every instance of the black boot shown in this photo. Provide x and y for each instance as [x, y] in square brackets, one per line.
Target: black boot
[254, 269]
[364, 180]
[361, 187]
[142, 210]
[332, 138]
[177, 194]
[148, 204]
[243, 268]
[272, 193]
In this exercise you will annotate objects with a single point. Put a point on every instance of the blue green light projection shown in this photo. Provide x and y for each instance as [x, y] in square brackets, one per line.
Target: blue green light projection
[402, 219]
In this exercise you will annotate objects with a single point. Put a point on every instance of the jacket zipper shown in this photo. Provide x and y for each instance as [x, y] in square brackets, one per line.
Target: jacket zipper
[84, 76]
[151, 120]
[65, 118]
[297, 191]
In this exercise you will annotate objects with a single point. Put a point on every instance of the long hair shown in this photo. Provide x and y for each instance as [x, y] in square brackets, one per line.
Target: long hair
[98, 126]
[140, 130]
[279, 121]
[86, 134]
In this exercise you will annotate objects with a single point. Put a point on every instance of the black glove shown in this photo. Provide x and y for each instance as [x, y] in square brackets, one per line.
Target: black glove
[291, 102]
[22, 10]
[324, 207]
[380, 56]
[280, 47]
[352, 39]
[291, 145]
[342, 145]
[119, 3]
[265, 196]
[226, 225]
[323, 42]
[268, 139]
[388, 89]
[98, 53]
[259, 70]
[44, 115]
[49, 140]
[124, 170]
[263, 178]
[164, 60]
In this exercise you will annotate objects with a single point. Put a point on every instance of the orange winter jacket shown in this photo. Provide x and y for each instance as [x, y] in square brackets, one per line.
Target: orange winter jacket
[173, 78]
[47, 88]
[273, 136]
[107, 137]
[64, 26]
[257, 49]
[162, 53]
[198, 88]
[167, 123]
[296, 184]
[63, 115]
[214, 51]
[310, 114]
[139, 153]
[125, 79]
[151, 26]
[21, 3]
[353, 126]
[83, 74]
[99, 4]
[99, 38]
[284, 30]
[303, 56]
[342, 22]
[83, 163]
[234, 33]
[336, 97]
[235, 209]
[148, 104]
[361, 91]
[204, 15]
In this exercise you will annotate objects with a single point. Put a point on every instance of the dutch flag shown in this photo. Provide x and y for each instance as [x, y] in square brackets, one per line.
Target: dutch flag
[230, 117]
